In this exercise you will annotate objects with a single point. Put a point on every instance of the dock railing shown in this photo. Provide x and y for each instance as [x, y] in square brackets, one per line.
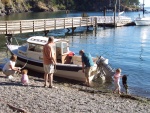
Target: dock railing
[25, 26]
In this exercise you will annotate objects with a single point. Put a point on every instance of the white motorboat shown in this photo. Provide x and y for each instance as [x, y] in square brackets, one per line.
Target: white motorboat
[68, 65]
[142, 21]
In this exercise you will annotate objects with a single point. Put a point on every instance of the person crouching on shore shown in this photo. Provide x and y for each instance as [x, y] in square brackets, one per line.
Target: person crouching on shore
[117, 77]
[24, 78]
[9, 68]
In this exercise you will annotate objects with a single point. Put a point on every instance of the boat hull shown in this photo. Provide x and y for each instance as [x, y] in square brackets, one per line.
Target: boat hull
[142, 22]
[67, 71]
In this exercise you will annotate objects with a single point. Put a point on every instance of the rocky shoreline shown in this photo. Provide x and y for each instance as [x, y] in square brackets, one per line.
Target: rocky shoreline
[8, 7]
[67, 98]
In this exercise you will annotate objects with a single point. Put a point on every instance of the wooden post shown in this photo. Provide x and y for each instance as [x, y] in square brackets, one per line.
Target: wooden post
[55, 24]
[20, 27]
[95, 26]
[104, 11]
[86, 21]
[95, 22]
[104, 17]
[115, 16]
[72, 23]
[80, 22]
[91, 21]
[64, 23]
[6, 27]
[33, 26]
[44, 25]
[143, 8]
[115, 13]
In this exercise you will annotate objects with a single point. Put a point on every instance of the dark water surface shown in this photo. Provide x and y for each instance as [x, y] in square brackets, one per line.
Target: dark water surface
[127, 48]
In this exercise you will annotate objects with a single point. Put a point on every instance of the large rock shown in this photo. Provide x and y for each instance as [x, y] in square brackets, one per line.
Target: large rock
[13, 6]
[40, 7]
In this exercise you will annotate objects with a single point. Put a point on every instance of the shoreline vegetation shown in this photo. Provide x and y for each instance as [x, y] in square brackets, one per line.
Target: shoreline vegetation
[8, 7]
[68, 97]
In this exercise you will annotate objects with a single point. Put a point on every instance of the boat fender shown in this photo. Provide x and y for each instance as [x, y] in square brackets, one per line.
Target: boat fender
[71, 53]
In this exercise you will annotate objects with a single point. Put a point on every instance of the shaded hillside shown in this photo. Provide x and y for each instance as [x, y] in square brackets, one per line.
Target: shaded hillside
[18, 6]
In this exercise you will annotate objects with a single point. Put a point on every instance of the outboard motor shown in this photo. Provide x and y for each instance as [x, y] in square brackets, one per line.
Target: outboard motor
[101, 60]
[104, 68]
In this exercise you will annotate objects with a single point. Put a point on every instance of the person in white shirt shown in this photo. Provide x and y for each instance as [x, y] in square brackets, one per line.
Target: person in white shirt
[9, 68]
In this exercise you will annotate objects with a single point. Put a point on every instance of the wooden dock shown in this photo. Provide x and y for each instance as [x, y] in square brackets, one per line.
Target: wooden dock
[26, 26]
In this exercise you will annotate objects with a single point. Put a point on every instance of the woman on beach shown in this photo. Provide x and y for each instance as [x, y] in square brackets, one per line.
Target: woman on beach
[117, 77]
[9, 68]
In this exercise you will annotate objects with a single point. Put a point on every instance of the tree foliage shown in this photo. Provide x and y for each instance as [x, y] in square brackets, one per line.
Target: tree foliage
[82, 5]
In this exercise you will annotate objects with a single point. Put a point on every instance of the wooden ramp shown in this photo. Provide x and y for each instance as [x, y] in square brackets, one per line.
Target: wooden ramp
[26, 26]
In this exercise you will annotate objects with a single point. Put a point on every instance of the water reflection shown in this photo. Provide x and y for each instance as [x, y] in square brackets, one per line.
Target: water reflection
[143, 35]
[34, 15]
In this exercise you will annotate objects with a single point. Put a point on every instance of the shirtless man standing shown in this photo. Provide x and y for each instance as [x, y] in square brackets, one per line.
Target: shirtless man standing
[49, 62]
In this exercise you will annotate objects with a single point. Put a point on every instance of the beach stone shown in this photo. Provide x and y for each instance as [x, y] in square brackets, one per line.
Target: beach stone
[67, 98]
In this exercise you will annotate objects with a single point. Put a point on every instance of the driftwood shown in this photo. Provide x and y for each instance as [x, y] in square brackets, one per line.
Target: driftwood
[19, 110]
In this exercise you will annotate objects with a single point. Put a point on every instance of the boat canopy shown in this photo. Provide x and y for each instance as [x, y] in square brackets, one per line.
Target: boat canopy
[41, 40]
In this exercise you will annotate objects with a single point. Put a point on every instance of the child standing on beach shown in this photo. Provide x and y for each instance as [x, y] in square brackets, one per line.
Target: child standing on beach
[117, 77]
[24, 78]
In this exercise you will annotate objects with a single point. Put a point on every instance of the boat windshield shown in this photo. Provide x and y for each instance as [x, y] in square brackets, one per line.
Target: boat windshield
[65, 47]
[62, 48]
[36, 48]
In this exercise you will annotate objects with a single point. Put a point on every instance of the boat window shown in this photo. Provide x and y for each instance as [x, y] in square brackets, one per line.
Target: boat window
[65, 47]
[31, 47]
[54, 48]
[58, 44]
[36, 48]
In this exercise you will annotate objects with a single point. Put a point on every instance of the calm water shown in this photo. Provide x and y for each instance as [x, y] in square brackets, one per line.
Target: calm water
[127, 48]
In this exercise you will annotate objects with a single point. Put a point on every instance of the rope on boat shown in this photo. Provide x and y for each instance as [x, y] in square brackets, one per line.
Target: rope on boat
[25, 64]
[22, 67]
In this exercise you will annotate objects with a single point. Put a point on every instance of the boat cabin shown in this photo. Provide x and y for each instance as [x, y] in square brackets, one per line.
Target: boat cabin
[34, 47]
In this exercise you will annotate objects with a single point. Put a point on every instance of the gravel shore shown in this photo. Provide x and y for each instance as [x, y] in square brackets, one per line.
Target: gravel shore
[67, 98]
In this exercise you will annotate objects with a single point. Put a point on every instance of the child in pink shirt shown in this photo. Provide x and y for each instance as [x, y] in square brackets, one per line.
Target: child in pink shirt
[24, 78]
[117, 77]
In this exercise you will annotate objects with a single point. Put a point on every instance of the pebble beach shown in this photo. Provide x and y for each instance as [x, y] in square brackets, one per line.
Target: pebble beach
[66, 98]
